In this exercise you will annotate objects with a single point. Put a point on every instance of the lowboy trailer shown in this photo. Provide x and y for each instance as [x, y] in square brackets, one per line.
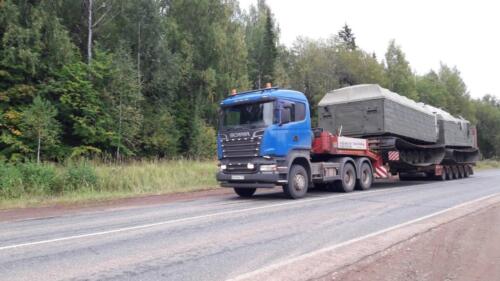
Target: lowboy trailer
[265, 140]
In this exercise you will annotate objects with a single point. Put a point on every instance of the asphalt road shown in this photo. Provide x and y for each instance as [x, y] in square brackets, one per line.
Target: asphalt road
[216, 238]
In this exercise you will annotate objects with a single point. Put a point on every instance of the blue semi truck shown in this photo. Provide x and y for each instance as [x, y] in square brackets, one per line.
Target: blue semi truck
[265, 139]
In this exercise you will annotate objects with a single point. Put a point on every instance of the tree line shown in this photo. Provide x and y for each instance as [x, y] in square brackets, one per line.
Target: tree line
[121, 79]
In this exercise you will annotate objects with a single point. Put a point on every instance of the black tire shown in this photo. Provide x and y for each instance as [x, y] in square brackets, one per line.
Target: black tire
[443, 175]
[455, 172]
[245, 192]
[348, 179]
[449, 173]
[366, 178]
[298, 182]
[461, 172]
[466, 172]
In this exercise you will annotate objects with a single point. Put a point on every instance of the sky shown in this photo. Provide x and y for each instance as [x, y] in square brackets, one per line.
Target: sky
[465, 34]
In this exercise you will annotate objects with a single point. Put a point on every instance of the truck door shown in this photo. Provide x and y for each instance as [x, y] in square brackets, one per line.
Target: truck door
[296, 132]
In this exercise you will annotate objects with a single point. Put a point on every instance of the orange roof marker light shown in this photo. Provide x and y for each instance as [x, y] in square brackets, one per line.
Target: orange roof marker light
[268, 85]
[233, 92]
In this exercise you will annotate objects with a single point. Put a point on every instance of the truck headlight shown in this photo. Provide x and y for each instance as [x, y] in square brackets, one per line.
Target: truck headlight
[223, 167]
[250, 166]
[267, 168]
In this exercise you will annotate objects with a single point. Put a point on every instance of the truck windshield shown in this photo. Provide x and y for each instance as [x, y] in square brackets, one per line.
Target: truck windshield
[247, 115]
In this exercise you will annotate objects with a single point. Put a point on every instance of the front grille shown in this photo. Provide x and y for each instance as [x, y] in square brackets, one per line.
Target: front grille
[239, 168]
[241, 147]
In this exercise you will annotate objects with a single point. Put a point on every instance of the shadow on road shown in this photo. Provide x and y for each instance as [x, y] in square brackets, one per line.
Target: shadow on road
[277, 192]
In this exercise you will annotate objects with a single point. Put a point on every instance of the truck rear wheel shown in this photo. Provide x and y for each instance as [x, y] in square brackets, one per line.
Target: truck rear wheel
[245, 192]
[298, 182]
[348, 180]
[366, 177]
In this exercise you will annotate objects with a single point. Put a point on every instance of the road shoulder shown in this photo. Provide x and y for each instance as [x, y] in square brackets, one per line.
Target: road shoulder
[95, 206]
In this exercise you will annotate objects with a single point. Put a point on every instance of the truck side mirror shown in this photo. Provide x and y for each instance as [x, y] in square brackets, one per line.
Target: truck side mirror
[285, 115]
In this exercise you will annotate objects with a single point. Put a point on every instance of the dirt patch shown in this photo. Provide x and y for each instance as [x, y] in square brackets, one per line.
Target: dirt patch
[465, 249]
[62, 209]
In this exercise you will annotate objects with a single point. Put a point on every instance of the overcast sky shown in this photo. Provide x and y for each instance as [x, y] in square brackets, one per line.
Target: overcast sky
[465, 34]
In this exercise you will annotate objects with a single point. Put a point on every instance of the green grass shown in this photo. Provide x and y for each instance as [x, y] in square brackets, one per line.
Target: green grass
[488, 164]
[26, 185]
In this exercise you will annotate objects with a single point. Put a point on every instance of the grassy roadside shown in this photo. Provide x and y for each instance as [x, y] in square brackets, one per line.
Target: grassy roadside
[32, 185]
[488, 164]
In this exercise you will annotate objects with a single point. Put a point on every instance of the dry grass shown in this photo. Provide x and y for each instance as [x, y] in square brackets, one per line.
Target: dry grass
[129, 180]
[488, 164]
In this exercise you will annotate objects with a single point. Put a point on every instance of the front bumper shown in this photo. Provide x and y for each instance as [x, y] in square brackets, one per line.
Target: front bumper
[255, 180]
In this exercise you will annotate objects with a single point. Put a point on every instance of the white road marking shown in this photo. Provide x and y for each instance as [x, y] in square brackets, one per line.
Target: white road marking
[138, 227]
[248, 275]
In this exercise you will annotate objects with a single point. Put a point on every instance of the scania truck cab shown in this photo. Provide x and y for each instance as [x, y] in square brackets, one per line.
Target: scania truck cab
[265, 140]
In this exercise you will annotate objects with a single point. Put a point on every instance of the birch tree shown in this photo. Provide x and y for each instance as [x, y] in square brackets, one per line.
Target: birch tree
[39, 124]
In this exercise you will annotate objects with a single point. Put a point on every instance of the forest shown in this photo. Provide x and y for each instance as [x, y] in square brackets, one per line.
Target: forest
[141, 79]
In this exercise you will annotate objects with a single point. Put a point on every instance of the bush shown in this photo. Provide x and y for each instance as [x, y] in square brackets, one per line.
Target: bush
[11, 184]
[39, 179]
[79, 175]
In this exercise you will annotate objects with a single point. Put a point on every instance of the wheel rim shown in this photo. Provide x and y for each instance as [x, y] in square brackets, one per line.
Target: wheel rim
[348, 178]
[299, 182]
[365, 177]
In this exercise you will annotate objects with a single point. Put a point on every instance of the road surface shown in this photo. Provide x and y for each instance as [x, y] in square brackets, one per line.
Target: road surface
[217, 238]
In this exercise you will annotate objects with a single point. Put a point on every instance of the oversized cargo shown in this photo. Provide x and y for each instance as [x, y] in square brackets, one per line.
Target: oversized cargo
[453, 131]
[370, 110]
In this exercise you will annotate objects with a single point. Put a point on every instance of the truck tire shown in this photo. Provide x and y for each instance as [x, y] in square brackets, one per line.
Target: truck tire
[455, 172]
[461, 172]
[366, 178]
[245, 192]
[348, 179]
[443, 175]
[298, 182]
[466, 172]
[449, 173]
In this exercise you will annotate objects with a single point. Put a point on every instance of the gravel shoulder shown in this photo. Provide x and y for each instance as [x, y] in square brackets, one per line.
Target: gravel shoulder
[465, 249]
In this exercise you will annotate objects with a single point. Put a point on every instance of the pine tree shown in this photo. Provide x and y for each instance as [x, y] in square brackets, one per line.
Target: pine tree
[347, 38]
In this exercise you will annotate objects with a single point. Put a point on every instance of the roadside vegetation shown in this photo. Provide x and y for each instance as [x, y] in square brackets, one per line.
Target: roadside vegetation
[27, 184]
[488, 164]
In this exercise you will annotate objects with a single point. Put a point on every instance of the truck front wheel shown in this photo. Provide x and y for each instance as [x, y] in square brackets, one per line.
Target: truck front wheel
[244, 192]
[297, 182]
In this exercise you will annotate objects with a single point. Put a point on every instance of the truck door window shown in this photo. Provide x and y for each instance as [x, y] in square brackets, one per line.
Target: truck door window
[300, 111]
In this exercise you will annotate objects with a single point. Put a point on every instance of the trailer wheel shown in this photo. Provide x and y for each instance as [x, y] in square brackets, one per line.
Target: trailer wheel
[449, 173]
[297, 183]
[443, 175]
[455, 172]
[245, 192]
[461, 172]
[348, 180]
[466, 171]
[366, 178]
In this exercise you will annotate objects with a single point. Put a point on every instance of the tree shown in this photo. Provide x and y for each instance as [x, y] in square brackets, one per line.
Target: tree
[125, 98]
[39, 124]
[347, 38]
[401, 78]
[261, 39]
